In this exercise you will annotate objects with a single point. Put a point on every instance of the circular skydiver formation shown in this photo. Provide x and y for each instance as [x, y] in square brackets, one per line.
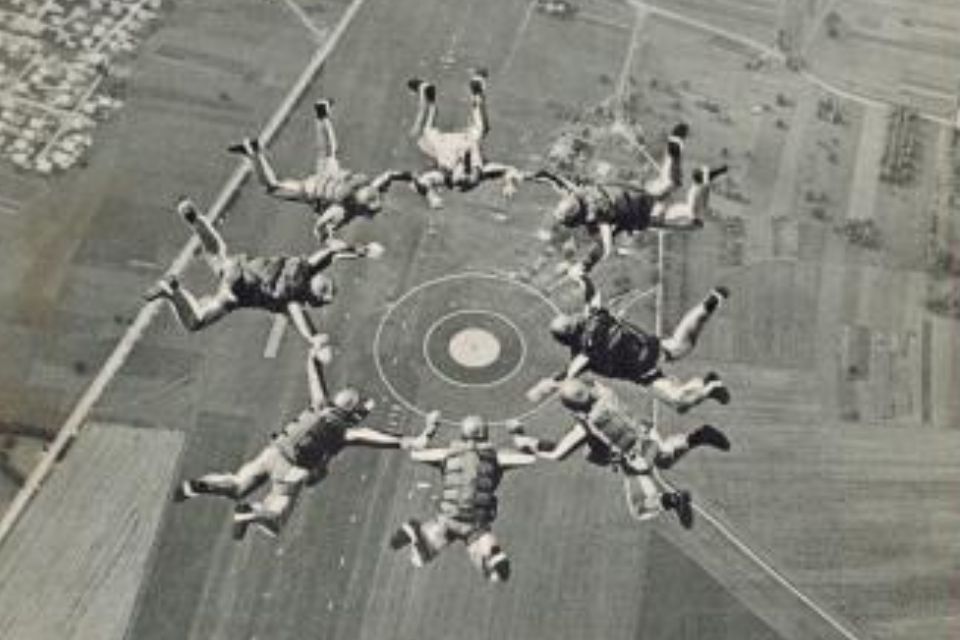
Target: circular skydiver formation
[474, 349]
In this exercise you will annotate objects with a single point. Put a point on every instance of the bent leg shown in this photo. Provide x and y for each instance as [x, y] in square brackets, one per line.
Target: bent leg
[488, 557]
[479, 119]
[677, 216]
[436, 536]
[426, 540]
[690, 212]
[647, 499]
[670, 175]
[293, 190]
[667, 178]
[426, 108]
[285, 189]
[682, 396]
[220, 484]
[687, 214]
[197, 314]
[235, 485]
[698, 197]
[684, 337]
[670, 449]
[275, 508]
[698, 200]
[264, 170]
[213, 244]
[326, 144]
[430, 141]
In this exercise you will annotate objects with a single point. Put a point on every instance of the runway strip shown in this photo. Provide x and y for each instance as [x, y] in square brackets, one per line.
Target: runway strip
[118, 357]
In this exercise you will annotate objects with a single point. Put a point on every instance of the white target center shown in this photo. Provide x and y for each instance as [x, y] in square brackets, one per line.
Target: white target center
[474, 348]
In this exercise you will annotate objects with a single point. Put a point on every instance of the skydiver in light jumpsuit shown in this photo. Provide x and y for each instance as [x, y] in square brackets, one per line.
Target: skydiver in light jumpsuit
[338, 195]
[457, 156]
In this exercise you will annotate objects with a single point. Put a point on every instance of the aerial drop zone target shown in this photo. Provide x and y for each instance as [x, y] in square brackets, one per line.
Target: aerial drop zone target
[469, 336]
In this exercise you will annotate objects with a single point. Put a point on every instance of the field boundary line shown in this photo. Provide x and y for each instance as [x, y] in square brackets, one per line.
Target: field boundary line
[305, 20]
[806, 74]
[774, 573]
[723, 530]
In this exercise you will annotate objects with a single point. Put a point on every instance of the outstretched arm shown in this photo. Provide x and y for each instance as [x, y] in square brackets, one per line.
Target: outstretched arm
[432, 456]
[577, 366]
[511, 459]
[422, 439]
[494, 170]
[323, 256]
[298, 316]
[560, 184]
[382, 438]
[316, 381]
[336, 249]
[370, 437]
[383, 181]
[591, 294]
[419, 452]
[606, 238]
[547, 386]
[333, 249]
[427, 184]
[570, 442]
[512, 177]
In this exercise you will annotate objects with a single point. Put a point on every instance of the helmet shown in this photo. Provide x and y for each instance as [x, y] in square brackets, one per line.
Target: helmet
[322, 289]
[465, 175]
[474, 428]
[564, 326]
[368, 198]
[575, 394]
[681, 131]
[568, 210]
[347, 399]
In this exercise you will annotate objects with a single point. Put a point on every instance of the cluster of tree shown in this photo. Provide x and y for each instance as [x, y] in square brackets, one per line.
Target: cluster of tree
[903, 151]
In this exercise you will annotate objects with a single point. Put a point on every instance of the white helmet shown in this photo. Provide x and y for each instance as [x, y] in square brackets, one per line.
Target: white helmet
[569, 210]
[369, 198]
[564, 325]
[474, 428]
[575, 394]
[347, 399]
[322, 289]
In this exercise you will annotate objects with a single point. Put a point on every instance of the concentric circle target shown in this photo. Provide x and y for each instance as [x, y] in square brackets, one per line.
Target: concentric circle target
[463, 344]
